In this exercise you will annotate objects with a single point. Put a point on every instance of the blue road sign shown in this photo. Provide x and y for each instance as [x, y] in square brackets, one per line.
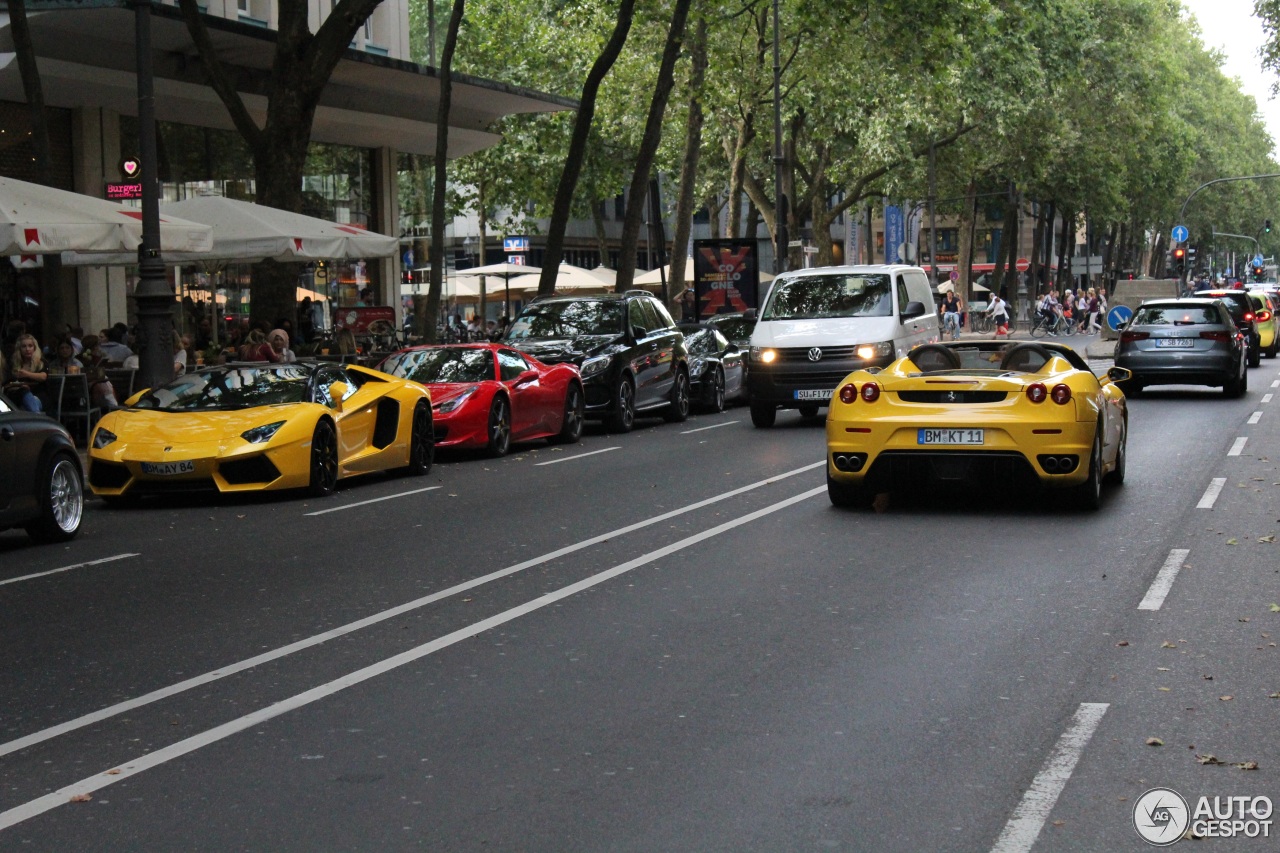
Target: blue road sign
[1119, 315]
[1257, 260]
[1180, 234]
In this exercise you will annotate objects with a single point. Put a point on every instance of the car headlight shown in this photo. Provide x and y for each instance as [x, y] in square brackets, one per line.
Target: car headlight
[880, 350]
[764, 355]
[592, 366]
[102, 438]
[451, 405]
[260, 434]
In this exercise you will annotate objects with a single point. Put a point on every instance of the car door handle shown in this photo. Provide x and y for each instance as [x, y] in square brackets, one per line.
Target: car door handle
[7, 433]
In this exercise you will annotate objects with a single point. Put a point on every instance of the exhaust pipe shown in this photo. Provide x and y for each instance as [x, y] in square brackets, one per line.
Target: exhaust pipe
[1051, 464]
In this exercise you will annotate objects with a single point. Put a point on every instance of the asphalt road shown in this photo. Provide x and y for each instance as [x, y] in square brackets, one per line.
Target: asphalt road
[667, 640]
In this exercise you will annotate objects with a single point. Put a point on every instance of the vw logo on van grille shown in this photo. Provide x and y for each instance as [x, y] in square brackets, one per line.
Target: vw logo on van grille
[815, 354]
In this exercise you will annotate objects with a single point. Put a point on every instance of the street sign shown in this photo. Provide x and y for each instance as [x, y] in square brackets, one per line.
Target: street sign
[1118, 316]
[1180, 234]
[955, 276]
[1257, 260]
[515, 244]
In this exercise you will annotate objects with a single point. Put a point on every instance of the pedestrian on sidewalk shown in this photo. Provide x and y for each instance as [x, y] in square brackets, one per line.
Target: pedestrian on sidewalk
[998, 310]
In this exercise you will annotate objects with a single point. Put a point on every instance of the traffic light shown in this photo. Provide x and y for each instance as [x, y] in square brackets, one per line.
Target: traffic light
[1266, 226]
[1179, 259]
[1191, 257]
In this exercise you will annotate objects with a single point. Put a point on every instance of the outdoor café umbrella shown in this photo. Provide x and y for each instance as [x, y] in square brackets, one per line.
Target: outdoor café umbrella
[244, 231]
[568, 279]
[40, 220]
[504, 271]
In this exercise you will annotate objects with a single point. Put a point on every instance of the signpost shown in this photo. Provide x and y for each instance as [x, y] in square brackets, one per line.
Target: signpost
[1118, 316]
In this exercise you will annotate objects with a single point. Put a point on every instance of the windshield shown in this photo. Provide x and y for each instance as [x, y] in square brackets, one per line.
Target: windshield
[1176, 315]
[239, 388]
[568, 319]
[700, 341]
[819, 296]
[441, 365]
[735, 328]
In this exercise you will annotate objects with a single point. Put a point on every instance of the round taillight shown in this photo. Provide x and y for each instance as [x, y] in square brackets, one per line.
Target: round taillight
[849, 393]
[1036, 392]
[1061, 394]
[870, 392]
[1248, 316]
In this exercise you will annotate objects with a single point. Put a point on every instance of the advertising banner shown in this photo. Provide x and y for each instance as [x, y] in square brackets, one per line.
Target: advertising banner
[726, 276]
[894, 234]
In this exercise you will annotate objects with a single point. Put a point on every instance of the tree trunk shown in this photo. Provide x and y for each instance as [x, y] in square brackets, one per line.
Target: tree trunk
[1051, 216]
[689, 163]
[602, 236]
[1011, 246]
[482, 214]
[1006, 236]
[441, 167]
[738, 154]
[563, 203]
[965, 260]
[1156, 267]
[649, 147]
[1066, 235]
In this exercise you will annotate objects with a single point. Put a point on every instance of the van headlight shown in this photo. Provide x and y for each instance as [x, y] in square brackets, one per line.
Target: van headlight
[764, 355]
[592, 366]
[870, 351]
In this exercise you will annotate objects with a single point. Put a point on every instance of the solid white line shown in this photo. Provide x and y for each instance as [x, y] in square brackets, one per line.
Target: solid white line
[1210, 494]
[68, 568]
[1266, 398]
[1028, 818]
[713, 426]
[1255, 417]
[374, 619]
[372, 501]
[578, 456]
[128, 769]
[1164, 580]
[1238, 447]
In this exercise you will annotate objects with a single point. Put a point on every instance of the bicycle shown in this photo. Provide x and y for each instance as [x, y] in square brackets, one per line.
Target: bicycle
[981, 324]
[1055, 325]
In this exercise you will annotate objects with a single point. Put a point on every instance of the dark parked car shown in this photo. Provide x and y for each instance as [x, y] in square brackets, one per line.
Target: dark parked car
[736, 327]
[630, 353]
[1241, 308]
[41, 481]
[1184, 342]
[715, 366]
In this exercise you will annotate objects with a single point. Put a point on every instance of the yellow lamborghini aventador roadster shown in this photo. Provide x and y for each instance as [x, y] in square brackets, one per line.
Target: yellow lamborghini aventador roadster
[258, 427]
[975, 412]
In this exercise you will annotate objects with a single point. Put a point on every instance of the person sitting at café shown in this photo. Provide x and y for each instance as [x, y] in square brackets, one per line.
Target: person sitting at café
[64, 362]
[25, 382]
[276, 349]
[114, 347]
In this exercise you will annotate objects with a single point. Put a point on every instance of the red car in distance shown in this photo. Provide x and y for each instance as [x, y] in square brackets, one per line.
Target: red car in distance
[490, 395]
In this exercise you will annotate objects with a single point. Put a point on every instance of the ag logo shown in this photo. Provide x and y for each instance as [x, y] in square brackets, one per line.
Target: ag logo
[1161, 816]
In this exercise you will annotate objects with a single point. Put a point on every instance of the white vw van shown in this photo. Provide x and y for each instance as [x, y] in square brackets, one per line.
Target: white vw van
[818, 325]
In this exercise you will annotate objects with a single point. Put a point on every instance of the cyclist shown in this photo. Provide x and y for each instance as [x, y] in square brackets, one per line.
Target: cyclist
[1050, 311]
[950, 311]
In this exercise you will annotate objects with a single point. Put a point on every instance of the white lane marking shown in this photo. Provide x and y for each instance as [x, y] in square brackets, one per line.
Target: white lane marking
[145, 762]
[713, 426]
[1238, 446]
[374, 619]
[1028, 818]
[1275, 383]
[1255, 417]
[1206, 500]
[578, 456]
[1266, 398]
[69, 568]
[372, 501]
[1164, 580]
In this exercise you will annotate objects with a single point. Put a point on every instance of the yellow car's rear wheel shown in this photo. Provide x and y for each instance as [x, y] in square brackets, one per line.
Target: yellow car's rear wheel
[848, 495]
[324, 460]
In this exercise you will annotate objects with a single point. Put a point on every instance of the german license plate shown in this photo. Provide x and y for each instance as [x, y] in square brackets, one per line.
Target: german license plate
[168, 469]
[927, 435]
[813, 395]
[1176, 343]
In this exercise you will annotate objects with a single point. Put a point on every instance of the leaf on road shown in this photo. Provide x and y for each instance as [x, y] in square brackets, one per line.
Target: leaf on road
[1207, 677]
[1247, 765]
[1168, 645]
[1243, 619]
[1154, 741]
[114, 772]
[1163, 669]
[1126, 642]
[81, 798]
[1208, 759]
[1274, 608]
[1274, 696]
[1270, 538]
[1232, 542]
[1163, 689]
[1225, 698]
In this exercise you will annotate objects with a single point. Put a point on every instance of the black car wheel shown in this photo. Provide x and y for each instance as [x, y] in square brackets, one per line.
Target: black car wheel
[716, 397]
[324, 460]
[61, 501]
[808, 410]
[571, 426]
[623, 416]
[1235, 386]
[422, 441]
[847, 495]
[678, 409]
[499, 426]
[1255, 355]
[763, 415]
[1088, 495]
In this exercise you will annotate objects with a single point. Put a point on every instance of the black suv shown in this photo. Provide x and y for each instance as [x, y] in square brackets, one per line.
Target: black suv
[632, 357]
[1241, 309]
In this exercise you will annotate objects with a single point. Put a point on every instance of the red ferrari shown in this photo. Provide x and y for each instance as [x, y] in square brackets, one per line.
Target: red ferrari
[490, 395]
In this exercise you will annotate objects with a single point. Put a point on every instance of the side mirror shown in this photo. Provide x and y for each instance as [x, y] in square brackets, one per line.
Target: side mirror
[749, 314]
[1119, 374]
[133, 400]
[912, 310]
[639, 332]
[732, 348]
[337, 391]
[526, 377]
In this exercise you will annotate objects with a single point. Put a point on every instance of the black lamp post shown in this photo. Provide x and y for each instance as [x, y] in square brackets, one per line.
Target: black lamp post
[780, 229]
[153, 295]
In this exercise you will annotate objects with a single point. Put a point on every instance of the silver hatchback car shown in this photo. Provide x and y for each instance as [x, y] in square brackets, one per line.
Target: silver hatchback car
[1184, 342]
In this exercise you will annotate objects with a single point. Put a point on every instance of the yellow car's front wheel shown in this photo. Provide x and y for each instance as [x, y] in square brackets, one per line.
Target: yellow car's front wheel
[324, 460]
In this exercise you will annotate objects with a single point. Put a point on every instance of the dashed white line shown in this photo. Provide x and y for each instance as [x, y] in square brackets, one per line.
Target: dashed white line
[1028, 818]
[1237, 446]
[373, 501]
[376, 618]
[713, 426]
[127, 769]
[576, 456]
[1275, 383]
[1255, 417]
[1164, 580]
[1211, 494]
[1266, 398]
[68, 568]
